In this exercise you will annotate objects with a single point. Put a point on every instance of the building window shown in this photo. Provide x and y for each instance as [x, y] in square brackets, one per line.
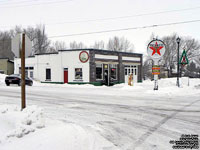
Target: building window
[99, 72]
[20, 70]
[30, 68]
[78, 73]
[48, 74]
[113, 71]
[31, 74]
[26, 73]
[126, 73]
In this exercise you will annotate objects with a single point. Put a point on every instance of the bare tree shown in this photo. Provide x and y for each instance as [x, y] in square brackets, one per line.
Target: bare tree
[147, 68]
[119, 44]
[5, 45]
[75, 45]
[59, 45]
[40, 42]
[99, 45]
[37, 35]
[192, 47]
[30, 32]
[170, 56]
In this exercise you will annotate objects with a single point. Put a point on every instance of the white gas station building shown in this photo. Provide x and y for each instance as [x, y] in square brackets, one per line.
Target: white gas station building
[83, 66]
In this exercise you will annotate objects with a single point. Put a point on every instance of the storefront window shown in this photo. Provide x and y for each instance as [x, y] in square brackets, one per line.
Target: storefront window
[113, 71]
[78, 73]
[99, 72]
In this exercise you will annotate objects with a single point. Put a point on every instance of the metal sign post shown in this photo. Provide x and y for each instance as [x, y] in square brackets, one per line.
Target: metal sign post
[156, 49]
[156, 72]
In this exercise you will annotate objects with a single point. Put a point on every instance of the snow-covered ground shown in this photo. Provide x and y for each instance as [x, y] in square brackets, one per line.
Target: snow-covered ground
[86, 117]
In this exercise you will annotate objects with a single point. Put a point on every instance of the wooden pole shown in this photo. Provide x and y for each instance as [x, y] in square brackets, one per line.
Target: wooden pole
[23, 94]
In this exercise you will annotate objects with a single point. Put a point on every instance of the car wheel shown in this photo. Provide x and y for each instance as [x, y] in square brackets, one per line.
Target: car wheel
[19, 84]
[30, 84]
[8, 84]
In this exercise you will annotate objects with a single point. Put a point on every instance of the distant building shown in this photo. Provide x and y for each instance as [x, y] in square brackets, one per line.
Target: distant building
[6, 66]
[83, 66]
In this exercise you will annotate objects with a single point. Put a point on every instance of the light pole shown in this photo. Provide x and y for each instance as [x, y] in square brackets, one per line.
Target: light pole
[178, 42]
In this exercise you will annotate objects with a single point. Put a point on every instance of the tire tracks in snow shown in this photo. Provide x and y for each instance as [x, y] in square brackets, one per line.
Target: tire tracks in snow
[153, 129]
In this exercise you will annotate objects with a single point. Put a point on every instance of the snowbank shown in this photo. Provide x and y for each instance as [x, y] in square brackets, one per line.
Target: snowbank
[16, 123]
[2, 79]
[29, 129]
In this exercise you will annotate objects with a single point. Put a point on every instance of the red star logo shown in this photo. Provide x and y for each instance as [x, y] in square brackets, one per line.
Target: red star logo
[156, 49]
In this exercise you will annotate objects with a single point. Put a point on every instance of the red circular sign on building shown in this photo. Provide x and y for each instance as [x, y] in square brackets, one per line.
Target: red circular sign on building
[83, 56]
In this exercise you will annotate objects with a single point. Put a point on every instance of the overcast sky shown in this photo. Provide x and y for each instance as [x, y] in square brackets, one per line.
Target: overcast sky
[65, 17]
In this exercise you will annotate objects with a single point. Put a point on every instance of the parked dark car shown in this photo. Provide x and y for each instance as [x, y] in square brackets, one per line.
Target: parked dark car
[16, 79]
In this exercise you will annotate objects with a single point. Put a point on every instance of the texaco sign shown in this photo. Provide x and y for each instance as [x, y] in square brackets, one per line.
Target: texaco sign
[83, 56]
[156, 49]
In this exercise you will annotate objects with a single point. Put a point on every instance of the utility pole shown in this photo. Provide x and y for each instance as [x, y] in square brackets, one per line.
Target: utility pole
[178, 42]
[23, 92]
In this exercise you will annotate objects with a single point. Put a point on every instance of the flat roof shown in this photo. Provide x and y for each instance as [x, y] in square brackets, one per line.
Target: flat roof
[103, 50]
[88, 49]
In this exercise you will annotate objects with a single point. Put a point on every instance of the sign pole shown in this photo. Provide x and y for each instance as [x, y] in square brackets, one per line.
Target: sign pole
[156, 76]
[156, 50]
[178, 42]
[23, 95]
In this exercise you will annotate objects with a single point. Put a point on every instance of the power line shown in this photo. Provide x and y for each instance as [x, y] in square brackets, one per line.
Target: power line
[129, 16]
[6, 3]
[115, 18]
[44, 3]
[10, 2]
[125, 29]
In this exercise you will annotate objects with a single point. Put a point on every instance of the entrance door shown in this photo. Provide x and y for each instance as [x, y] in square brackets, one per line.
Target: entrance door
[128, 70]
[65, 75]
[135, 74]
[127, 73]
[106, 74]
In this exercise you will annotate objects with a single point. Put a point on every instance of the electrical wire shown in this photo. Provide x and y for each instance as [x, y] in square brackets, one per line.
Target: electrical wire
[129, 16]
[18, 2]
[35, 4]
[125, 29]
[116, 18]
[6, 3]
